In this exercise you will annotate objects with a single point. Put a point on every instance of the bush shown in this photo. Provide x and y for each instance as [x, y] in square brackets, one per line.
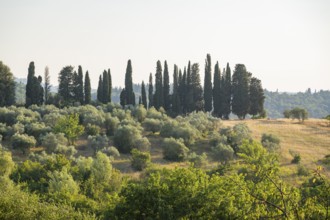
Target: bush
[111, 124]
[236, 135]
[50, 141]
[296, 159]
[270, 142]
[296, 113]
[223, 152]
[92, 129]
[153, 125]
[183, 130]
[68, 151]
[302, 171]
[140, 113]
[197, 160]
[23, 142]
[140, 160]
[127, 137]
[98, 142]
[216, 138]
[36, 130]
[174, 149]
[326, 159]
[111, 151]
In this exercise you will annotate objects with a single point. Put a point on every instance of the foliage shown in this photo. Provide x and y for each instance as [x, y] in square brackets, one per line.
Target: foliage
[92, 129]
[7, 86]
[70, 127]
[140, 113]
[140, 160]
[208, 84]
[98, 142]
[223, 152]
[62, 184]
[153, 125]
[236, 135]
[111, 124]
[197, 160]
[174, 149]
[111, 151]
[270, 141]
[23, 142]
[302, 171]
[296, 159]
[296, 113]
[52, 141]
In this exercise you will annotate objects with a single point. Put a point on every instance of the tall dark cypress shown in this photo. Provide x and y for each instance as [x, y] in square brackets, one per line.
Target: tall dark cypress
[75, 87]
[217, 91]
[158, 96]
[129, 94]
[227, 93]
[80, 86]
[208, 84]
[47, 85]
[175, 96]
[257, 97]
[183, 91]
[123, 97]
[144, 95]
[29, 85]
[105, 90]
[110, 84]
[150, 91]
[166, 88]
[39, 90]
[198, 101]
[100, 90]
[189, 91]
[65, 88]
[87, 88]
[241, 96]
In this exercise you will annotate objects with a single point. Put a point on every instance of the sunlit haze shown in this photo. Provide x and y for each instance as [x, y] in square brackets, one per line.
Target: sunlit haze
[284, 43]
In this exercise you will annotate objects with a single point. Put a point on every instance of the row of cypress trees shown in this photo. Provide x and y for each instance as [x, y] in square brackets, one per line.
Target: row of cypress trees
[104, 87]
[238, 93]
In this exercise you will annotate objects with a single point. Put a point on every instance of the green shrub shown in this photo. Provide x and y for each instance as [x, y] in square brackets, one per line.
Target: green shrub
[140, 113]
[140, 160]
[296, 159]
[236, 135]
[98, 142]
[223, 152]
[174, 149]
[111, 151]
[153, 125]
[23, 142]
[92, 129]
[50, 141]
[326, 159]
[270, 142]
[111, 124]
[197, 160]
[302, 171]
[180, 130]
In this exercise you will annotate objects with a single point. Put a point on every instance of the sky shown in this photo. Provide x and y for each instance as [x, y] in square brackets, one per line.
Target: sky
[285, 43]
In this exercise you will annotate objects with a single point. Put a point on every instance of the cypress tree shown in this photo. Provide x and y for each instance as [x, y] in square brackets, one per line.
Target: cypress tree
[87, 88]
[47, 85]
[75, 87]
[189, 91]
[105, 89]
[217, 91]
[40, 91]
[175, 97]
[166, 88]
[29, 85]
[65, 88]
[227, 93]
[150, 91]
[100, 90]
[80, 86]
[7, 86]
[208, 84]
[158, 97]
[240, 86]
[183, 91]
[198, 102]
[140, 100]
[130, 96]
[110, 84]
[123, 98]
[144, 95]
[257, 97]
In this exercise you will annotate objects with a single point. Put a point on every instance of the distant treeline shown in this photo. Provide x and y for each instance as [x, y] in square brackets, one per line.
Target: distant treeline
[317, 104]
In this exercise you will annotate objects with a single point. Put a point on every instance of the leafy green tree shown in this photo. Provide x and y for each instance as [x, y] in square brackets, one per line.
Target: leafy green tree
[223, 152]
[144, 95]
[217, 97]
[101, 169]
[87, 89]
[51, 141]
[47, 85]
[7, 86]
[227, 93]
[65, 88]
[98, 142]
[208, 84]
[158, 96]
[23, 142]
[241, 94]
[129, 94]
[62, 184]
[150, 92]
[166, 88]
[140, 160]
[69, 126]
[257, 97]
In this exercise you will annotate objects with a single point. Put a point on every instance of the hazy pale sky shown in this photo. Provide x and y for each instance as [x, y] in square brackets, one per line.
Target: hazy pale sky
[285, 43]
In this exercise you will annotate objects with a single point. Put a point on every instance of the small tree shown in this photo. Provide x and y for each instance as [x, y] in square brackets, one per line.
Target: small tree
[140, 160]
[174, 149]
[69, 125]
[23, 142]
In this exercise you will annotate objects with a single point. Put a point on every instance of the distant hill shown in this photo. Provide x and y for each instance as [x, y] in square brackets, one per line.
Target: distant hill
[317, 103]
